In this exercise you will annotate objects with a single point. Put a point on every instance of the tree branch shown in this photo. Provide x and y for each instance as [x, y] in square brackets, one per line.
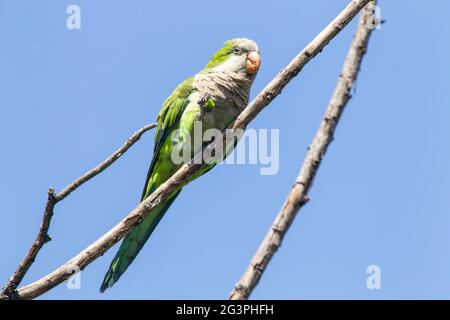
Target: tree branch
[298, 195]
[181, 177]
[105, 164]
[9, 289]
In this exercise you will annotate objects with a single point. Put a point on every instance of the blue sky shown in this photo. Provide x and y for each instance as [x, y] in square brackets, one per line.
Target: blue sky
[68, 98]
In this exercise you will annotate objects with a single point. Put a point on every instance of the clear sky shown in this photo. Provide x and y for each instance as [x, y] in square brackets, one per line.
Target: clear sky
[68, 98]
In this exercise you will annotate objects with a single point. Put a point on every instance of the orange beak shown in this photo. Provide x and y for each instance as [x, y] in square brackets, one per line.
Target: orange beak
[253, 62]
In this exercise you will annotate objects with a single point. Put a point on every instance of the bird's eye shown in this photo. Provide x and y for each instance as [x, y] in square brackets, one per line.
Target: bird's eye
[237, 50]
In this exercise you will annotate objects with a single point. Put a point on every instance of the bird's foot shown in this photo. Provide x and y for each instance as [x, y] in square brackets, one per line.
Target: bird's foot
[206, 104]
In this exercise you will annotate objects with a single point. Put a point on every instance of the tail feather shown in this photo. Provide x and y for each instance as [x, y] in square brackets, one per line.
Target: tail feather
[133, 243]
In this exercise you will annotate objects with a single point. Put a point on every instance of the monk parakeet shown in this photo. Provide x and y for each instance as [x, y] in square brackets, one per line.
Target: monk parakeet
[225, 82]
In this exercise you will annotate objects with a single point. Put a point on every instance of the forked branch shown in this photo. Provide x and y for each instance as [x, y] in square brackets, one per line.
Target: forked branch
[9, 289]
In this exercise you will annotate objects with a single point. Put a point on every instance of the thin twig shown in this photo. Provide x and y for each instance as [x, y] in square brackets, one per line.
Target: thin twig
[187, 171]
[298, 195]
[105, 164]
[9, 289]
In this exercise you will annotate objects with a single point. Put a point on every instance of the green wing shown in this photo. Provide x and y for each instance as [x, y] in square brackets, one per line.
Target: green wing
[161, 168]
[168, 118]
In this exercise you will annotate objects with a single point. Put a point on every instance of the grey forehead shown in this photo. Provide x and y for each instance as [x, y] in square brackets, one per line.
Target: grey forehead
[247, 44]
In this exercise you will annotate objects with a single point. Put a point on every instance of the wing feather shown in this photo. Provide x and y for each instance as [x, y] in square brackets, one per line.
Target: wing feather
[168, 118]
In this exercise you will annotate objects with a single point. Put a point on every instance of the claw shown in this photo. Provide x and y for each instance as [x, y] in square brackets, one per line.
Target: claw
[206, 104]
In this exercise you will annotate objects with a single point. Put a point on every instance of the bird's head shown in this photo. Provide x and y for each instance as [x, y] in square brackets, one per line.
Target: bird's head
[239, 55]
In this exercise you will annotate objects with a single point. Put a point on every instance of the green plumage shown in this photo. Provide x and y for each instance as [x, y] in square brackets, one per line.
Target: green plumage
[221, 55]
[161, 168]
[179, 112]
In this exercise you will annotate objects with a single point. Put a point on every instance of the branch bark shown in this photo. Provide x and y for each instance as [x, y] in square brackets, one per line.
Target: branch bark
[9, 289]
[298, 195]
[180, 178]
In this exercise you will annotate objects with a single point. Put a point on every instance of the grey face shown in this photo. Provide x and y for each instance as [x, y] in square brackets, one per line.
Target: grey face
[243, 45]
[244, 59]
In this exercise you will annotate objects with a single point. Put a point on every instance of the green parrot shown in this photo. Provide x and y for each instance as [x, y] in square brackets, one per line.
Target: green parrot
[225, 84]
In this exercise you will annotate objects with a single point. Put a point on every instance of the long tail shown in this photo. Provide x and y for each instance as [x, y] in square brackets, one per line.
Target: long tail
[133, 243]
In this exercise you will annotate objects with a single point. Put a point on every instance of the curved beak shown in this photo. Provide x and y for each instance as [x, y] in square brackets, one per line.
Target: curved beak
[253, 62]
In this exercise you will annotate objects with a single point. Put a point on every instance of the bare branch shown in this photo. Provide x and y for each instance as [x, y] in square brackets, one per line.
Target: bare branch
[42, 238]
[105, 164]
[298, 195]
[9, 289]
[187, 171]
